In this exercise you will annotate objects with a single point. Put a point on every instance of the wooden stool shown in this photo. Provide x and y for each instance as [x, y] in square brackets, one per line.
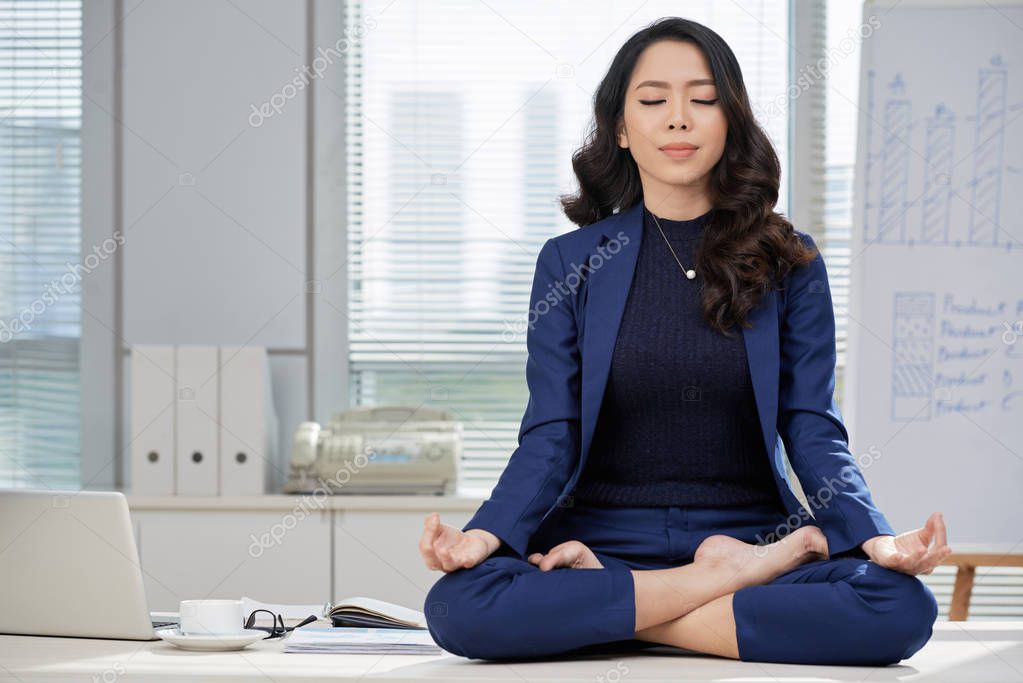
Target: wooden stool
[967, 562]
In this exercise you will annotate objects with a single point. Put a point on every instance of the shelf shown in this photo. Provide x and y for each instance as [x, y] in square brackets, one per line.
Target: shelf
[424, 502]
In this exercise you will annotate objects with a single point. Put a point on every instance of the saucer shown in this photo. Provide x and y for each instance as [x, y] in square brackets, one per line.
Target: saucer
[209, 643]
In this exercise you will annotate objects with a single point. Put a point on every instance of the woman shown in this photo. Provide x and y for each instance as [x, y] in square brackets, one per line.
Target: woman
[698, 324]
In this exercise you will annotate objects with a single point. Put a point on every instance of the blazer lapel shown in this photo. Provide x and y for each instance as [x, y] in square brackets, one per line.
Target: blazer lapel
[609, 285]
[762, 353]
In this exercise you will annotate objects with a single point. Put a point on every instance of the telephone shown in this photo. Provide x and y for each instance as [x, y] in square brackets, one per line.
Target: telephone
[378, 449]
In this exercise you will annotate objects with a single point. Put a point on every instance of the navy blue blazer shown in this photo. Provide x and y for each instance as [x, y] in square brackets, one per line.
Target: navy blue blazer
[574, 316]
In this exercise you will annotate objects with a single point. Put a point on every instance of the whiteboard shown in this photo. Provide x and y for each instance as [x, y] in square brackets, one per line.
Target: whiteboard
[934, 380]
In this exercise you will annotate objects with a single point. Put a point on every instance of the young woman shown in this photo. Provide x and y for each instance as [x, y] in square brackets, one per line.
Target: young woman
[698, 324]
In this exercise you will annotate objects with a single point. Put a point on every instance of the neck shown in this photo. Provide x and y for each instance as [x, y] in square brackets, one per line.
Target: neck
[676, 202]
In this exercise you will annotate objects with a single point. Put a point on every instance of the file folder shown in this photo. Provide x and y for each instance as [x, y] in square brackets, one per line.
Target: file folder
[197, 451]
[152, 420]
[248, 421]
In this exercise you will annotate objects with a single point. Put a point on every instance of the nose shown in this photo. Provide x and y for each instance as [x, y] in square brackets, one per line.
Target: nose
[678, 113]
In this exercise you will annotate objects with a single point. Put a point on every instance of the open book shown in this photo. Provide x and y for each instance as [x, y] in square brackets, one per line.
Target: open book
[353, 611]
[361, 611]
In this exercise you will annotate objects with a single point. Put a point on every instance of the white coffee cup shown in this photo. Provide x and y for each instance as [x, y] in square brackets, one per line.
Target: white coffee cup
[211, 617]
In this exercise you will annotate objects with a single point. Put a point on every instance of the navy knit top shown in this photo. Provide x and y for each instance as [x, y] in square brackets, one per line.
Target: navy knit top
[678, 424]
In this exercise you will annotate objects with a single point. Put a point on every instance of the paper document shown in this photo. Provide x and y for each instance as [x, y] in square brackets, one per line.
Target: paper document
[353, 640]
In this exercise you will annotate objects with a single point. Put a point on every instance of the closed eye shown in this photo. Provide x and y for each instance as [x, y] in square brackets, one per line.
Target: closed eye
[660, 101]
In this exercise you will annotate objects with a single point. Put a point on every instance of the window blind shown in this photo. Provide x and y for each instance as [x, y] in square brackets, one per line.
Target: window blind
[40, 168]
[461, 123]
[838, 195]
[842, 95]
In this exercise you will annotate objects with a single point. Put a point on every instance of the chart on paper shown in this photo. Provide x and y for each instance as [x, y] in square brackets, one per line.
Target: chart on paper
[934, 378]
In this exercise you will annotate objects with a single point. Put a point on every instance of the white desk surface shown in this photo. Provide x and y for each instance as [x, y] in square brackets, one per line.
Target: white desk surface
[958, 651]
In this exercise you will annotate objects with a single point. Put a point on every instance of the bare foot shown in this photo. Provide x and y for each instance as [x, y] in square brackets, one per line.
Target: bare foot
[752, 565]
[572, 554]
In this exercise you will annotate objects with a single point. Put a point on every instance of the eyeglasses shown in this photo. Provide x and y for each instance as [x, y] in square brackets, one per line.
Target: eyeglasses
[277, 628]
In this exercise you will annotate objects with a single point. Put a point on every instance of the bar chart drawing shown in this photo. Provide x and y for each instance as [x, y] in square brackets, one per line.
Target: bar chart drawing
[958, 196]
[986, 186]
[939, 146]
[895, 161]
[913, 356]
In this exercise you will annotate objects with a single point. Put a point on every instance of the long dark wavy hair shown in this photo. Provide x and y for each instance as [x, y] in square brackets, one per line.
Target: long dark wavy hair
[747, 247]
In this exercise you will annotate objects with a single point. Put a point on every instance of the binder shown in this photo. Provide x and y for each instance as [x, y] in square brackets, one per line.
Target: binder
[152, 420]
[248, 421]
[197, 451]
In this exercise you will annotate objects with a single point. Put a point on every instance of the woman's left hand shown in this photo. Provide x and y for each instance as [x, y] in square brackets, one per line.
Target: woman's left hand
[911, 552]
[573, 554]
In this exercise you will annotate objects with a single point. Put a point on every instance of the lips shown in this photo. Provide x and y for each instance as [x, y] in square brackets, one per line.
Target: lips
[679, 150]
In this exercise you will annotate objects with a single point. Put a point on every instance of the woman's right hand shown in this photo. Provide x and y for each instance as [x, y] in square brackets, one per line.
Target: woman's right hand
[447, 548]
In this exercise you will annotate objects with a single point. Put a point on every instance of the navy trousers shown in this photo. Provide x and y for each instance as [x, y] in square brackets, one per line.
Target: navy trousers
[843, 610]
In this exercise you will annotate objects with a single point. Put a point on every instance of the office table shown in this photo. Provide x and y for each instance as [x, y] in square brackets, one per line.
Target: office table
[958, 651]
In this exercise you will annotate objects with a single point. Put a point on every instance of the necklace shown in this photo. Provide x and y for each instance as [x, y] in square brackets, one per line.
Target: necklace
[691, 272]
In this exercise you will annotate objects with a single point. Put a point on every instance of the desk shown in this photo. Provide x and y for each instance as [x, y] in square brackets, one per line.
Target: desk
[967, 563]
[958, 651]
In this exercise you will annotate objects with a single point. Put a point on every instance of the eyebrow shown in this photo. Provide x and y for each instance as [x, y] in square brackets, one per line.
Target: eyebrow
[666, 85]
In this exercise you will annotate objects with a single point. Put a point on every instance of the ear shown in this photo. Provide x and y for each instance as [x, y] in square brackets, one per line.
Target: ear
[623, 137]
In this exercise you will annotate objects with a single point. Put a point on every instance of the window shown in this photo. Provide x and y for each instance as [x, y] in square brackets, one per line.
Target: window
[462, 120]
[40, 163]
[842, 94]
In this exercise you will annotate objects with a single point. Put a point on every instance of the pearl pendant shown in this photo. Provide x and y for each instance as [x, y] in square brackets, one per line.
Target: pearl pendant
[690, 274]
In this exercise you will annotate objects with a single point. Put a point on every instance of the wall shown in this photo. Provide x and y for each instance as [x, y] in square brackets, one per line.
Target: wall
[232, 222]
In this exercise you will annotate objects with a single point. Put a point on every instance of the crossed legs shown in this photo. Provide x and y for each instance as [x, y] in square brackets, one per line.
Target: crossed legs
[845, 611]
[734, 600]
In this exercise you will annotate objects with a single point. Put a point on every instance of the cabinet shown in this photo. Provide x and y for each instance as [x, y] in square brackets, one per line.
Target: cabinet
[287, 549]
[376, 554]
[189, 554]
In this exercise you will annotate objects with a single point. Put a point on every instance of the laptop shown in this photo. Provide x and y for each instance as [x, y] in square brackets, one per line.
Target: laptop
[69, 566]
